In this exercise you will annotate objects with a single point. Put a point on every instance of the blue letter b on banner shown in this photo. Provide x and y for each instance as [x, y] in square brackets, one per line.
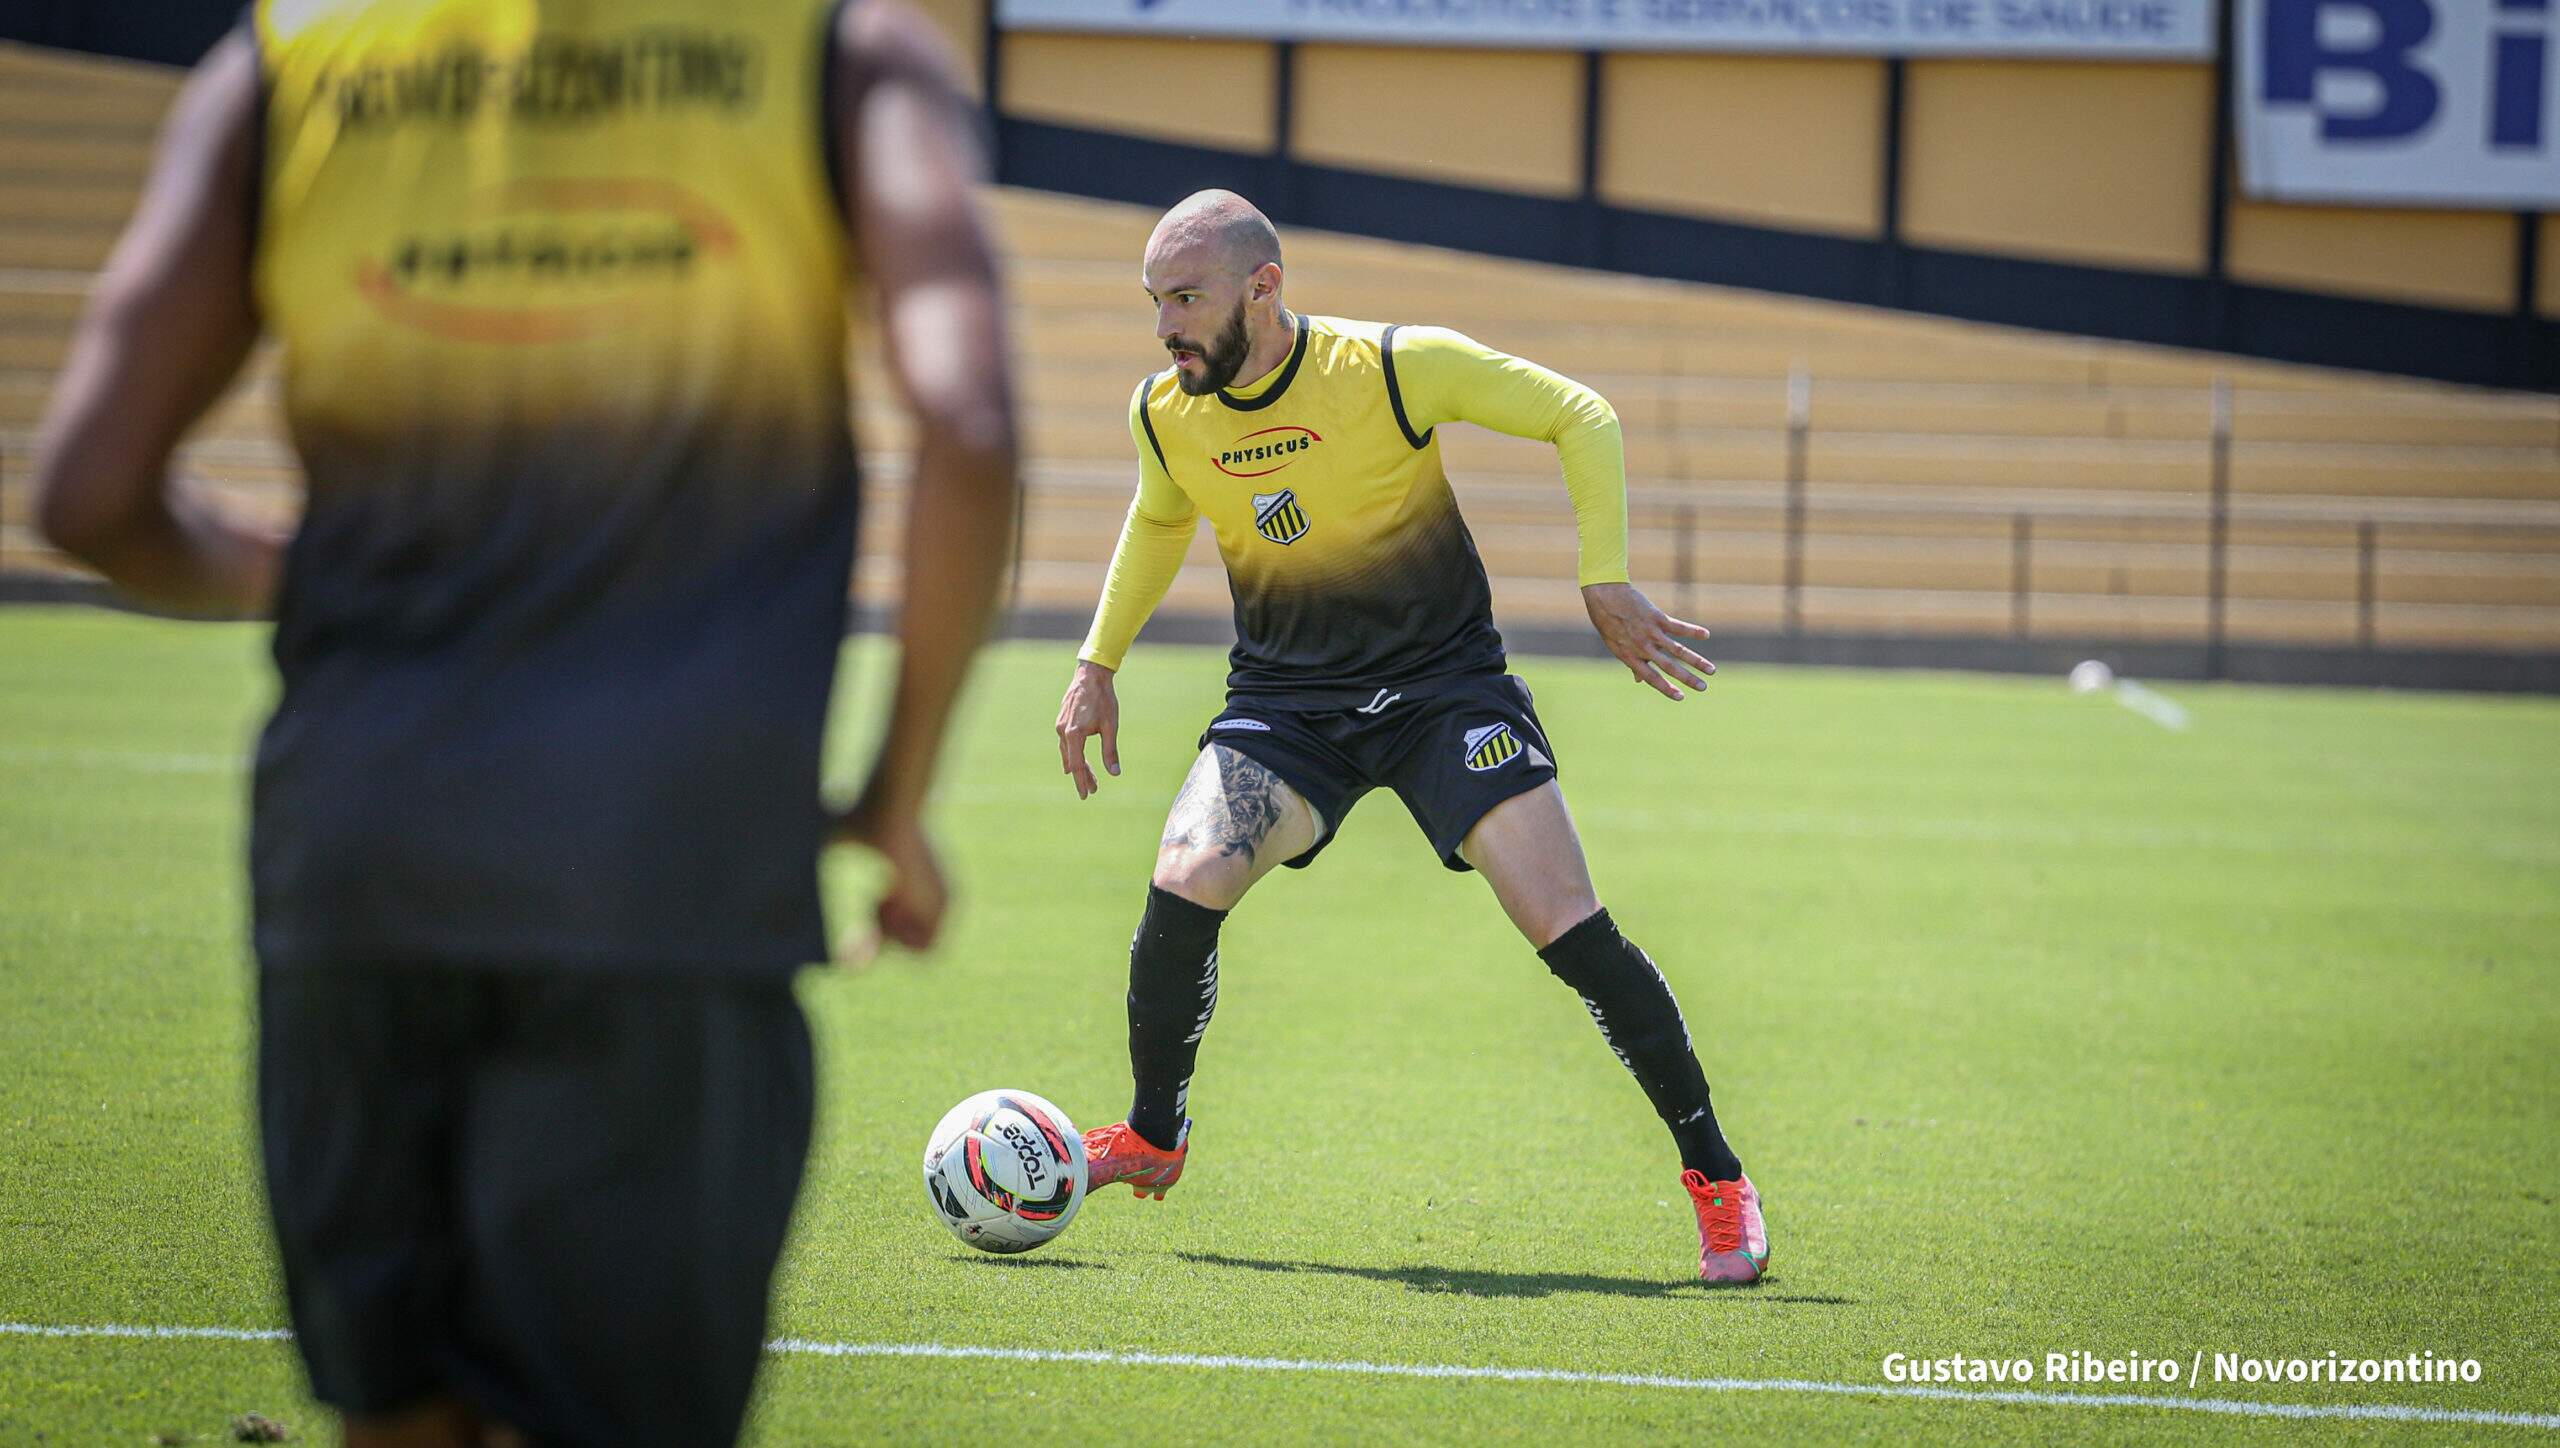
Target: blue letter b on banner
[2296, 54]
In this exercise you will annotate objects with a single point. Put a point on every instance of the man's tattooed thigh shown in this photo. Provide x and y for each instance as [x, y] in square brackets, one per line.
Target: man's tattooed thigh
[1229, 804]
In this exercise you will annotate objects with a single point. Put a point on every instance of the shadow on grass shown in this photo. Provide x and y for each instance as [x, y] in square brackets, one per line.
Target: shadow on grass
[1466, 1283]
[1020, 1260]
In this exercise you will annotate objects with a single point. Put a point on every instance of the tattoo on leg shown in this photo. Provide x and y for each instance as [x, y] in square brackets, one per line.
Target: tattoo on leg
[1233, 813]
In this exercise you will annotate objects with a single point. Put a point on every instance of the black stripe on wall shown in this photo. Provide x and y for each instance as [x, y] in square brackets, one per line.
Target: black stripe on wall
[2508, 350]
[2124, 304]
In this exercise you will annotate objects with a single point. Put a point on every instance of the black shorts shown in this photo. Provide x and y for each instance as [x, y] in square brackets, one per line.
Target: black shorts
[1451, 749]
[559, 1198]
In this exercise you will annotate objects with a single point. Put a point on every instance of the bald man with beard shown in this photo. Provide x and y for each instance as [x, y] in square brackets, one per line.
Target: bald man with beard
[1365, 658]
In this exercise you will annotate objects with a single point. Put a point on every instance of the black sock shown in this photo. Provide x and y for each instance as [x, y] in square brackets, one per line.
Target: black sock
[1633, 1006]
[1173, 990]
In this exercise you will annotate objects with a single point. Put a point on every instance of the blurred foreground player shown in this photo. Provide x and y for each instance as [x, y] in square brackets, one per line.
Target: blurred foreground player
[1365, 658]
[561, 293]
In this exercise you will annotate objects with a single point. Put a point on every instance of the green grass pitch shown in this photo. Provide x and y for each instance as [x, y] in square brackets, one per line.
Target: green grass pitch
[2043, 1028]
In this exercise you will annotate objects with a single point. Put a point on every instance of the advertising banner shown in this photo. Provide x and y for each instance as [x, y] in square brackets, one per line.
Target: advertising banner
[2119, 29]
[2400, 102]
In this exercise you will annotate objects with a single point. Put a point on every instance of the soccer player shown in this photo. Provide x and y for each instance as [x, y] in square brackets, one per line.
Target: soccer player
[561, 298]
[1365, 658]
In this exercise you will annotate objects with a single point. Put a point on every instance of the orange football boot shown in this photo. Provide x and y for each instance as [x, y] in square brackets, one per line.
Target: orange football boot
[1115, 1153]
[1733, 1243]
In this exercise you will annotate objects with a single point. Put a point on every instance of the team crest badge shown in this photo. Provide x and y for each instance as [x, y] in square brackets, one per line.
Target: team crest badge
[1491, 747]
[1278, 517]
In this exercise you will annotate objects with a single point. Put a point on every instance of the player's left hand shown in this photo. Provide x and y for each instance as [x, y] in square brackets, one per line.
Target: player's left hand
[1646, 639]
[911, 904]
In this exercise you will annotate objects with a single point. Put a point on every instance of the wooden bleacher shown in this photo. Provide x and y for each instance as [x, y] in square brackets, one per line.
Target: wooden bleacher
[1928, 447]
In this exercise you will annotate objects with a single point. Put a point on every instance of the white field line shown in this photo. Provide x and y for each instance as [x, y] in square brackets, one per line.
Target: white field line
[804, 1347]
[139, 761]
[2156, 707]
[116, 1329]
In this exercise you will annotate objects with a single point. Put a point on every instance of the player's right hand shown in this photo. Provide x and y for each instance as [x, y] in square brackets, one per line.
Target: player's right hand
[1091, 708]
[1646, 639]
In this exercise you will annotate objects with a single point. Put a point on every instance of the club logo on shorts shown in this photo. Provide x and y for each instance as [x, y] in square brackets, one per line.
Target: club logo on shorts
[1278, 517]
[1491, 747]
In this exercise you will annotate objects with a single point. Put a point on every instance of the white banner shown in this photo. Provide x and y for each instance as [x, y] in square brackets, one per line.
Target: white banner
[2401, 102]
[2115, 29]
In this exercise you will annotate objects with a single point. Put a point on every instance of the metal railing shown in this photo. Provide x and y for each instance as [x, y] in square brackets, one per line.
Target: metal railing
[2213, 510]
[2299, 555]
[2339, 567]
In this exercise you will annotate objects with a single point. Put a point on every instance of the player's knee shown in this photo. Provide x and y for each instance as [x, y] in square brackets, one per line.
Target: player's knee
[1203, 877]
[1549, 919]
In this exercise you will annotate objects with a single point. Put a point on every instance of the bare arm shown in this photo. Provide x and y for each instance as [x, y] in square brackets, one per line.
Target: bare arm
[911, 159]
[169, 323]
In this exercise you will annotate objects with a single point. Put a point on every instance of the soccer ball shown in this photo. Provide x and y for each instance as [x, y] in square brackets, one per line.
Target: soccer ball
[2090, 676]
[1005, 1171]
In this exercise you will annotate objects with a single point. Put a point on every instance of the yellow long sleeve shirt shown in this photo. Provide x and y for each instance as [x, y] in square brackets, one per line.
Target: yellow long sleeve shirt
[1350, 566]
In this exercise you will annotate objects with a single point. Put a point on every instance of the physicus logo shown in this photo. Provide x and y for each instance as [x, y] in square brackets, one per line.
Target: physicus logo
[1260, 454]
[546, 259]
[1278, 517]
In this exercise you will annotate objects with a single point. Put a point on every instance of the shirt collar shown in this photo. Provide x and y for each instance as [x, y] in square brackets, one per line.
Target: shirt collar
[1266, 390]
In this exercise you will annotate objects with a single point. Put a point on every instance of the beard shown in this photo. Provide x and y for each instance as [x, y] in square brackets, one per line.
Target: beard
[1219, 361]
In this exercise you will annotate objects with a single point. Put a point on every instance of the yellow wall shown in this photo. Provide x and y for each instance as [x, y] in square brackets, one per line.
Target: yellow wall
[1204, 92]
[962, 23]
[1778, 140]
[2101, 164]
[2435, 258]
[2546, 270]
[1503, 119]
[2075, 162]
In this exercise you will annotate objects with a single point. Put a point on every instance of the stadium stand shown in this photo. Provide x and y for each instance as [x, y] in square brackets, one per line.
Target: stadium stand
[1793, 463]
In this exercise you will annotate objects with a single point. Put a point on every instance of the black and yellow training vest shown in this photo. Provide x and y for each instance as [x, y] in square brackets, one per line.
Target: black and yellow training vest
[560, 291]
